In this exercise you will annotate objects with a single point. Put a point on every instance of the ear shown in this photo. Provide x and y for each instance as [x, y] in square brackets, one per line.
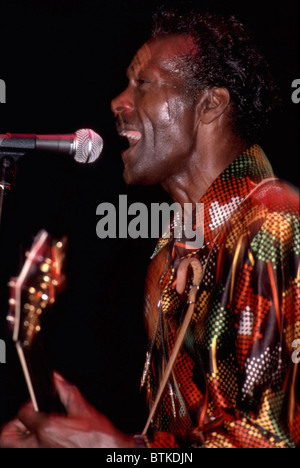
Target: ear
[212, 103]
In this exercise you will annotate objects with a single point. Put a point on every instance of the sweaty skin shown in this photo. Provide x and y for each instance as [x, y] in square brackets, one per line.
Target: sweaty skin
[152, 106]
[181, 146]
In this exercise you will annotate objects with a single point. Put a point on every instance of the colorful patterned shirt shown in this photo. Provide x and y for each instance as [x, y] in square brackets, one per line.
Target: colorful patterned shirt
[234, 383]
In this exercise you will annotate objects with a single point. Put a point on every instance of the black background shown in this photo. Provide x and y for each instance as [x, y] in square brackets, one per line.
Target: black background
[63, 61]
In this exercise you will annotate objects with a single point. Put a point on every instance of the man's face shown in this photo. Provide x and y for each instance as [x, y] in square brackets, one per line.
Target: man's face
[154, 114]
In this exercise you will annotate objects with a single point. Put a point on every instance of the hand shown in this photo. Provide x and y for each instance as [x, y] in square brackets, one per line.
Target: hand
[83, 427]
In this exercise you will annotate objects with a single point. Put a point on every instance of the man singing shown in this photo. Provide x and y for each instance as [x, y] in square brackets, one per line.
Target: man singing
[198, 98]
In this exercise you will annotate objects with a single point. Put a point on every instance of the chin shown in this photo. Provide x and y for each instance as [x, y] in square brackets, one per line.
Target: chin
[138, 179]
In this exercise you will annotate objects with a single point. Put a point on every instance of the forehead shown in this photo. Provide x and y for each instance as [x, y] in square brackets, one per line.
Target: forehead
[161, 53]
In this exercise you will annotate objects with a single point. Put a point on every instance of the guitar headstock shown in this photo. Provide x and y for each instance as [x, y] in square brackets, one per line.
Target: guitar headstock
[36, 287]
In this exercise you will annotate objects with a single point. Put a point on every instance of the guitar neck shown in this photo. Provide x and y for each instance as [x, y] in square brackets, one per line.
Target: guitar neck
[38, 377]
[31, 293]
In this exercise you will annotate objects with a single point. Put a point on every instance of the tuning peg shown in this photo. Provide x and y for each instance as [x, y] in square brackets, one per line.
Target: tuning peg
[45, 267]
[11, 319]
[29, 307]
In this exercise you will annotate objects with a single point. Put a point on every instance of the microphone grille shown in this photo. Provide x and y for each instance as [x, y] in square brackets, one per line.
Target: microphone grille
[89, 146]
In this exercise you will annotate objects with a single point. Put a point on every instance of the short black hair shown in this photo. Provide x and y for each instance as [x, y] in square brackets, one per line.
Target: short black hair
[226, 56]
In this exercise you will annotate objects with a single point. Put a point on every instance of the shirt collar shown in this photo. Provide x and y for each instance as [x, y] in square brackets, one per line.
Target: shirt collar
[224, 196]
[231, 187]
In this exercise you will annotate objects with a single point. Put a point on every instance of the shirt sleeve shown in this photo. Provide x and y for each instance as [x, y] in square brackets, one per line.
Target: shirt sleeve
[266, 307]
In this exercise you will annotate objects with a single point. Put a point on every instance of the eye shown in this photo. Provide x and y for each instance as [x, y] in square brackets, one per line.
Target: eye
[141, 82]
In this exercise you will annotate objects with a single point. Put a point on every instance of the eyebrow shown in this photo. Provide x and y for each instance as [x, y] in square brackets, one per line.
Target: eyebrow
[135, 69]
[138, 60]
[132, 71]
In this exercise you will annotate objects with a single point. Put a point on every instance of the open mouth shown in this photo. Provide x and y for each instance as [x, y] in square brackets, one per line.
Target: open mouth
[130, 138]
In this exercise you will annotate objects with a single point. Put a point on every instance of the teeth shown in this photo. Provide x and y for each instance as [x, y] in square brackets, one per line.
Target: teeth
[131, 135]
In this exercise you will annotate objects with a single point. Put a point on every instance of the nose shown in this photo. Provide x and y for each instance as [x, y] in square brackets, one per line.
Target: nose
[123, 103]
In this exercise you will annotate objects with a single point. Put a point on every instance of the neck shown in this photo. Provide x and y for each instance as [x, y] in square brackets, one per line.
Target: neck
[202, 169]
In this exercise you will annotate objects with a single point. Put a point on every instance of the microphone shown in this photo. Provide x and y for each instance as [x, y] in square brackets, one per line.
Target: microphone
[85, 144]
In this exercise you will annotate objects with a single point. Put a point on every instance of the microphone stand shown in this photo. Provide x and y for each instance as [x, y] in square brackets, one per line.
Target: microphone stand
[8, 172]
